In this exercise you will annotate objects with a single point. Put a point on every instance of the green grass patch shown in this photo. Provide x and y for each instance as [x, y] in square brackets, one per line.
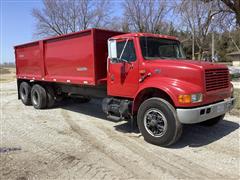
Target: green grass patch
[235, 77]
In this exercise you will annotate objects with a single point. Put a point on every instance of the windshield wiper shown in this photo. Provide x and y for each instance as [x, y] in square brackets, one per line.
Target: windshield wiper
[163, 57]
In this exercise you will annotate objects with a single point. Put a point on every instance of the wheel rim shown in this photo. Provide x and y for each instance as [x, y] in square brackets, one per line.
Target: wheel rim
[155, 122]
[35, 98]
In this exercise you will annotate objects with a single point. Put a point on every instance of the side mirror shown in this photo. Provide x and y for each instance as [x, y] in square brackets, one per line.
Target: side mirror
[112, 49]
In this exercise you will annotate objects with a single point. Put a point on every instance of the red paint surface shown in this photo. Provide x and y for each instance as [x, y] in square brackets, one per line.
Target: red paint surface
[77, 58]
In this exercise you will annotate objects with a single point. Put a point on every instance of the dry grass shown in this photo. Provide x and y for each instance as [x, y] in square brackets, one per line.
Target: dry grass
[236, 110]
[4, 70]
[237, 95]
[7, 74]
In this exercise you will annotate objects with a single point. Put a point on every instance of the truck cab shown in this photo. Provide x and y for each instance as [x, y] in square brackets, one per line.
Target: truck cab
[163, 89]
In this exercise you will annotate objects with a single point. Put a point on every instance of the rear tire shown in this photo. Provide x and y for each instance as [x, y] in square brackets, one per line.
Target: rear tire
[158, 123]
[38, 97]
[25, 93]
[213, 121]
[50, 97]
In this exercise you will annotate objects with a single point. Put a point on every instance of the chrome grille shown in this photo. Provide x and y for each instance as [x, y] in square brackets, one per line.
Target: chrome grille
[216, 79]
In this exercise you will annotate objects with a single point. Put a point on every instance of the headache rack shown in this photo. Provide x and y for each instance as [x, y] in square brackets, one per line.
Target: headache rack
[216, 79]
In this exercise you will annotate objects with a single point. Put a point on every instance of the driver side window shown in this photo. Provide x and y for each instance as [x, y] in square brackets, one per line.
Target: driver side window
[129, 52]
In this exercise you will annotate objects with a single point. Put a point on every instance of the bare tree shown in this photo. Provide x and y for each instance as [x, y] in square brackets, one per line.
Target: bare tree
[201, 18]
[229, 11]
[145, 15]
[234, 8]
[65, 16]
[119, 24]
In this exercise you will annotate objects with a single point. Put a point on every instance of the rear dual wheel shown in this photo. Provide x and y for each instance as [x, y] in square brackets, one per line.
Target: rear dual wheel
[40, 97]
[25, 93]
[158, 123]
[51, 98]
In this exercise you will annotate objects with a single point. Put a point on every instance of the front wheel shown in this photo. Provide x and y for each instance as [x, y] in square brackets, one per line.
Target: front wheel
[158, 123]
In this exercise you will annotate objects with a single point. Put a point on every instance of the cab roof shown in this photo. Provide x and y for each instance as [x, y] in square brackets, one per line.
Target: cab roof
[145, 35]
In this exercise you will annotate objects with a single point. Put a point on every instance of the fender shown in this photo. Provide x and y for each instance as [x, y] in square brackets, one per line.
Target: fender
[172, 87]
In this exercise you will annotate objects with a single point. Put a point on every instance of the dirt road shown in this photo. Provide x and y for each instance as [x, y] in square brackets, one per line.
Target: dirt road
[74, 141]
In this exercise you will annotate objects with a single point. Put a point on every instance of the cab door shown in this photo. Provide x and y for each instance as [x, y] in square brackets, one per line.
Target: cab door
[123, 70]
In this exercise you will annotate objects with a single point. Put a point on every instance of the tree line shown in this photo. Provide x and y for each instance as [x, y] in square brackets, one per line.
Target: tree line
[193, 21]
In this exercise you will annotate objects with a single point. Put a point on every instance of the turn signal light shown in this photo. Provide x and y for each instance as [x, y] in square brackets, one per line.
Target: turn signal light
[184, 99]
[142, 71]
[190, 98]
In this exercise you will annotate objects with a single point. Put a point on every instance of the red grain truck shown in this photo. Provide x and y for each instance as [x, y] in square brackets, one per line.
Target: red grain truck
[141, 77]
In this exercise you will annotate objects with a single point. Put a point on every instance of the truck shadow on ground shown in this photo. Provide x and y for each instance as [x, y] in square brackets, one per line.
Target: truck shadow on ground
[196, 135]
[93, 108]
[193, 135]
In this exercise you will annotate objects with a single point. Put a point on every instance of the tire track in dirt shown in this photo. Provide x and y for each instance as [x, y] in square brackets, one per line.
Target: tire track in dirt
[182, 169]
[183, 164]
[61, 158]
[129, 166]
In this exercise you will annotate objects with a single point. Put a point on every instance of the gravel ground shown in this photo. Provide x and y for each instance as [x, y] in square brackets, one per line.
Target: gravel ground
[76, 141]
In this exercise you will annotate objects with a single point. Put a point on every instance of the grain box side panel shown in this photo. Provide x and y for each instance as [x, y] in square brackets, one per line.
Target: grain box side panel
[28, 61]
[101, 51]
[70, 59]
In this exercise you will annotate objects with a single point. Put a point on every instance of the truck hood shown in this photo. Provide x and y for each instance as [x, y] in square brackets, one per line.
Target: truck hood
[189, 71]
[190, 64]
[186, 77]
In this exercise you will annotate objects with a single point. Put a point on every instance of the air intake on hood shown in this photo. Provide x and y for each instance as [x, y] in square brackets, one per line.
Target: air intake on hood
[216, 79]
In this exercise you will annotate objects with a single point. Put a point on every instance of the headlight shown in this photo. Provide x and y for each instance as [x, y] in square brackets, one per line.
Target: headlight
[197, 98]
[190, 98]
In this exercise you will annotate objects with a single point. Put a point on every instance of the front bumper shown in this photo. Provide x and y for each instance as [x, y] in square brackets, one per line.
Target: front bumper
[200, 114]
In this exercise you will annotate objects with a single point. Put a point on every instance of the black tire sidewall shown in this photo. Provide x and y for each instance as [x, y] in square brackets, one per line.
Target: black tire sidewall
[26, 99]
[173, 125]
[50, 97]
[42, 97]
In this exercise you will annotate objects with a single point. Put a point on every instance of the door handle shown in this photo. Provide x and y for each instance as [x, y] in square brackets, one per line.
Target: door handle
[112, 77]
[131, 66]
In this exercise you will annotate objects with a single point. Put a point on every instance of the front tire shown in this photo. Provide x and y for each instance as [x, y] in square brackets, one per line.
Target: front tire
[38, 97]
[158, 123]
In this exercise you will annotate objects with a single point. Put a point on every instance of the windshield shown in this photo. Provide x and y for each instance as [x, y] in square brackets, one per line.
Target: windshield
[159, 48]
